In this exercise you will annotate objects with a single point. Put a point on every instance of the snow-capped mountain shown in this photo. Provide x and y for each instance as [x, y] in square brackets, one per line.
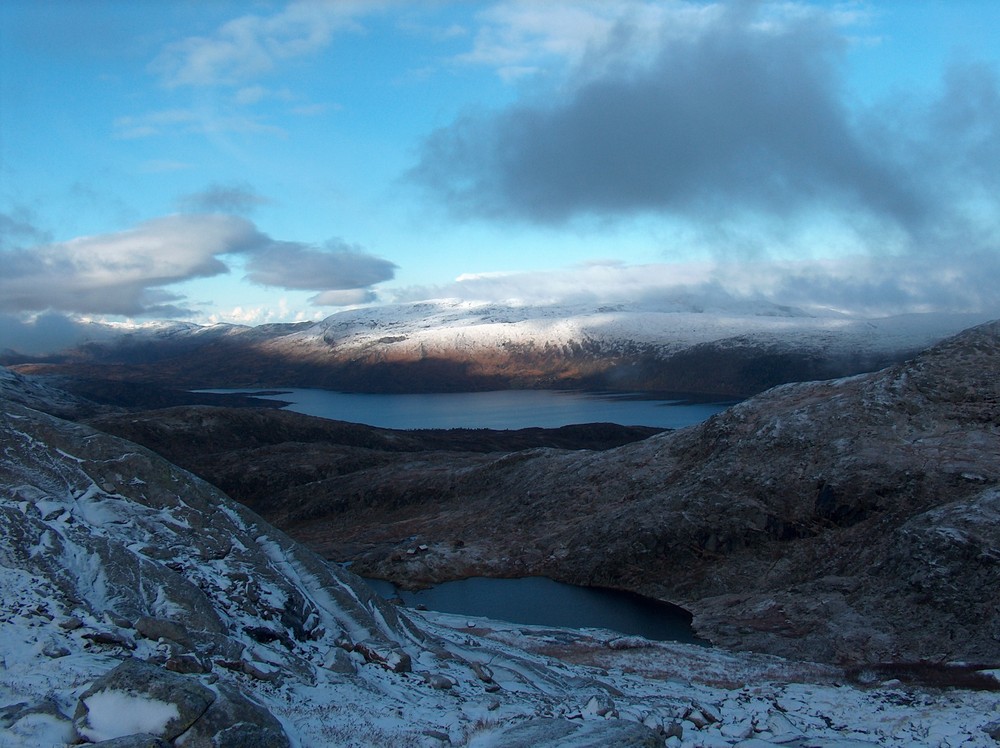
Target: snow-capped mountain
[731, 351]
[139, 605]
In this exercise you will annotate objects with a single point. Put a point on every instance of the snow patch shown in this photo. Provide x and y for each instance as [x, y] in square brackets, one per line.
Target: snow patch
[113, 714]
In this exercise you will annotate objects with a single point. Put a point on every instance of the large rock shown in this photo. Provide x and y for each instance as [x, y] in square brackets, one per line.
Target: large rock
[136, 697]
[233, 721]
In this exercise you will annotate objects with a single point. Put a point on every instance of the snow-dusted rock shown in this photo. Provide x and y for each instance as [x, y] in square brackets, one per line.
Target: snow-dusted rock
[233, 721]
[556, 733]
[850, 520]
[136, 697]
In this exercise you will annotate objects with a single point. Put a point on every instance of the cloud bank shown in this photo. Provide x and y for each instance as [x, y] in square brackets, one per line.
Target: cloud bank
[733, 122]
[861, 286]
[123, 273]
[127, 273]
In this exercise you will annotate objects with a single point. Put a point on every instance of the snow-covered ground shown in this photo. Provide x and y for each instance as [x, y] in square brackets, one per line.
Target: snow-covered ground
[691, 696]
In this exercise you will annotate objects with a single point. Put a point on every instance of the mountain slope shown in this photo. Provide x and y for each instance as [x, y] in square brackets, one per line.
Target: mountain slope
[850, 520]
[452, 345]
[138, 599]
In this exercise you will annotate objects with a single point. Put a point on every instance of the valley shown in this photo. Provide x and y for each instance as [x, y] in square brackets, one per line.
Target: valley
[822, 533]
[803, 522]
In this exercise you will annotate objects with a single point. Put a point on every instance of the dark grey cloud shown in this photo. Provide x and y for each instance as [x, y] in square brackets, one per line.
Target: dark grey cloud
[238, 199]
[334, 267]
[741, 121]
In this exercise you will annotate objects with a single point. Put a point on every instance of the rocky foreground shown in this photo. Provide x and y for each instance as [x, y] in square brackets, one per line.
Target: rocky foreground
[142, 607]
[850, 521]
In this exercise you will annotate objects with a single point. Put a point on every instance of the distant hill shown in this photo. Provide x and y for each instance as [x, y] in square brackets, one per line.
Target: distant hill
[464, 346]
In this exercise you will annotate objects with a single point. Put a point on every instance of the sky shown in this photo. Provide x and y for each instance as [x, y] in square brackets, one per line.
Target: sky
[256, 162]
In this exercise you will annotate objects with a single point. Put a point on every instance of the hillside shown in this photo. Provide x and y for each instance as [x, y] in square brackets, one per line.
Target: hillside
[464, 346]
[142, 606]
[849, 521]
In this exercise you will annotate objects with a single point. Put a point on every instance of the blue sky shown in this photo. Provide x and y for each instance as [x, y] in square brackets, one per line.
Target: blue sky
[272, 161]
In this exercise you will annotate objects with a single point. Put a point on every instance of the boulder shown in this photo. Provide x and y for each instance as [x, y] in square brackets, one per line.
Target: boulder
[139, 740]
[234, 721]
[137, 697]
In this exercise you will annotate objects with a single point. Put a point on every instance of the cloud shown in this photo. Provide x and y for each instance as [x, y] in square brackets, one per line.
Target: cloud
[342, 273]
[347, 297]
[123, 273]
[240, 199]
[47, 333]
[191, 121]
[253, 45]
[858, 285]
[730, 116]
[128, 272]
[518, 39]
[733, 123]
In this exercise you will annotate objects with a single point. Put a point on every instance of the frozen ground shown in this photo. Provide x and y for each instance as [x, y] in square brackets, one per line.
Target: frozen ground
[692, 696]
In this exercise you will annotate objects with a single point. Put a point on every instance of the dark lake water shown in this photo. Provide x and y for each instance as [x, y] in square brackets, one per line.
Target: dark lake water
[544, 602]
[507, 409]
[530, 600]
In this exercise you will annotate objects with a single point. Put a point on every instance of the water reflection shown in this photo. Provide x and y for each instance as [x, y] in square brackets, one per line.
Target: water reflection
[544, 602]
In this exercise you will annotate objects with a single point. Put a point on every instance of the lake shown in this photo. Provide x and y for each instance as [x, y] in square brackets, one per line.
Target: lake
[543, 602]
[507, 409]
[531, 600]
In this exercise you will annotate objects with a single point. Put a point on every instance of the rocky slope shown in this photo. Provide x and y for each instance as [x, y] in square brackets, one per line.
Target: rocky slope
[850, 521]
[452, 345]
[269, 459]
[141, 607]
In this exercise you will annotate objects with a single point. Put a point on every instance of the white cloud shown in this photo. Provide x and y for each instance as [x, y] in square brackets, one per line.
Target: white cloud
[201, 121]
[253, 45]
[859, 285]
[128, 272]
[522, 37]
[349, 297]
[125, 272]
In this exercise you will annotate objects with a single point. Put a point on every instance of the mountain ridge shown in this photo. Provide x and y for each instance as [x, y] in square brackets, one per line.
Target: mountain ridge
[450, 345]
